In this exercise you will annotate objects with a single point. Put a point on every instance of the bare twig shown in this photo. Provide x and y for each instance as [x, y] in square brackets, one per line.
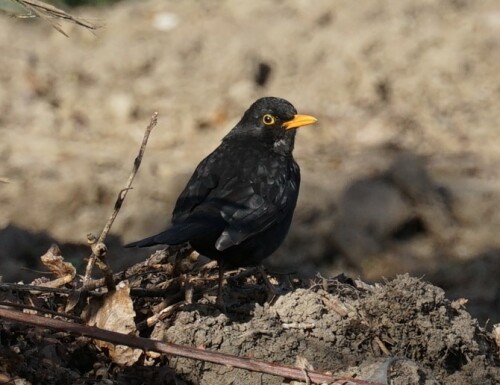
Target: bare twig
[168, 311]
[47, 11]
[382, 346]
[305, 366]
[99, 252]
[119, 201]
[122, 276]
[181, 351]
[134, 292]
[137, 163]
[150, 265]
[4, 180]
[35, 289]
[138, 292]
[40, 310]
[299, 325]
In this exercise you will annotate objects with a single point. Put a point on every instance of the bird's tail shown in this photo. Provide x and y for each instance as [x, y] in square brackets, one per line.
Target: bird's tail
[176, 235]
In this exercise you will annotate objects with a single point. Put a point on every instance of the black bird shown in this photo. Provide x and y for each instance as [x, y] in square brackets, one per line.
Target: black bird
[238, 205]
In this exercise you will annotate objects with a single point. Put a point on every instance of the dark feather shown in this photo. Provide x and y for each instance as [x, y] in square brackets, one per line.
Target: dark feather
[238, 205]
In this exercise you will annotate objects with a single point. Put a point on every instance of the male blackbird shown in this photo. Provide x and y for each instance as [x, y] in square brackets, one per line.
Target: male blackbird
[238, 205]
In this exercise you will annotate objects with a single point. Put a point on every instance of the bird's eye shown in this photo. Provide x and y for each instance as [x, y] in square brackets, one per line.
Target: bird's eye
[268, 119]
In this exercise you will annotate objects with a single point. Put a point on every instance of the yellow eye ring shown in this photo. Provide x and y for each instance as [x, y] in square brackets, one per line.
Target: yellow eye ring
[268, 119]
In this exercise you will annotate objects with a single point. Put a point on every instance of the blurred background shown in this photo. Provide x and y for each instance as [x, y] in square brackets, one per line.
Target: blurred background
[400, 174]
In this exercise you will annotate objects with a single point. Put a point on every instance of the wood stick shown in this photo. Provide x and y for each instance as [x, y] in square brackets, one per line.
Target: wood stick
[181, 351]
[96, 246]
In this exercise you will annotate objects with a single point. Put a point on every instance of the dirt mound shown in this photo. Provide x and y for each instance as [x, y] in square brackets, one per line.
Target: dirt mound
[384, 79]
[340, 327]
[404, 331]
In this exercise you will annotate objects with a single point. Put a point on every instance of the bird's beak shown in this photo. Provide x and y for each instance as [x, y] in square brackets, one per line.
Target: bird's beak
[299, 121]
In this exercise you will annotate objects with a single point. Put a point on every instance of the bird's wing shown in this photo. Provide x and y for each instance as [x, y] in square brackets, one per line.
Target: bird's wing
[218, 196]
[173, 236]
[203, 181]
[192, 216]
[250, 208]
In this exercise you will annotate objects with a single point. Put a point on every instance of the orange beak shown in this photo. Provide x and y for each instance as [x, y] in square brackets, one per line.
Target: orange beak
[299, 121]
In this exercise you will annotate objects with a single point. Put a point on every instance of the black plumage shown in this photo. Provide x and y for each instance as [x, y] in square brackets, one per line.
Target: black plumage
[238, 205]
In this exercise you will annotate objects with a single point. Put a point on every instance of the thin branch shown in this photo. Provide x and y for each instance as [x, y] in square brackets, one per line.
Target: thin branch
[138, 292]
[98, 256]
[166, 312]
[47, 11]
[131, 272]
[121, 276]
[98, 247]
[35, 288]
[137, 163]
[181, 351]
[42, 289]
[40, 310]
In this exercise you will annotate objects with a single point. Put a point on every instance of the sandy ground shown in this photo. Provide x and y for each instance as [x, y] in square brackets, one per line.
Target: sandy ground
[385, 79]
[404, 331]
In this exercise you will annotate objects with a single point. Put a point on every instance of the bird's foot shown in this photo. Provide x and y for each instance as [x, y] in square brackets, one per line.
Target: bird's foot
[219, 304]
[271, 290]
[272, 295]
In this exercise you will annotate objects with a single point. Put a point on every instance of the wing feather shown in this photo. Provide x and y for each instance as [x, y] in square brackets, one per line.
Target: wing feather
[248, 203]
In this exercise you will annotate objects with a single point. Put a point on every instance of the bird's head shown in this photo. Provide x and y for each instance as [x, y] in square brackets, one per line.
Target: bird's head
[272, 121]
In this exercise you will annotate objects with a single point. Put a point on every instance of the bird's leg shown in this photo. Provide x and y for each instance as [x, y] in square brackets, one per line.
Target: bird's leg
[219, 302]
[272, 292]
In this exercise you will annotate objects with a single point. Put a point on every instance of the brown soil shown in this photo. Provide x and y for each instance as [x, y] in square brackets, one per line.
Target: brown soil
[400, 175]
[385, 79]
[410, 318]
[402, 332]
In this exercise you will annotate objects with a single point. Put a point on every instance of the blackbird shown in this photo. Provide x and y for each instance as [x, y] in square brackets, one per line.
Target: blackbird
[238, 205]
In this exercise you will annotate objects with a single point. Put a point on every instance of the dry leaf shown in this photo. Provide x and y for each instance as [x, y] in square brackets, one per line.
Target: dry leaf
[496, 334]
[54, 261]
[115, 312]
